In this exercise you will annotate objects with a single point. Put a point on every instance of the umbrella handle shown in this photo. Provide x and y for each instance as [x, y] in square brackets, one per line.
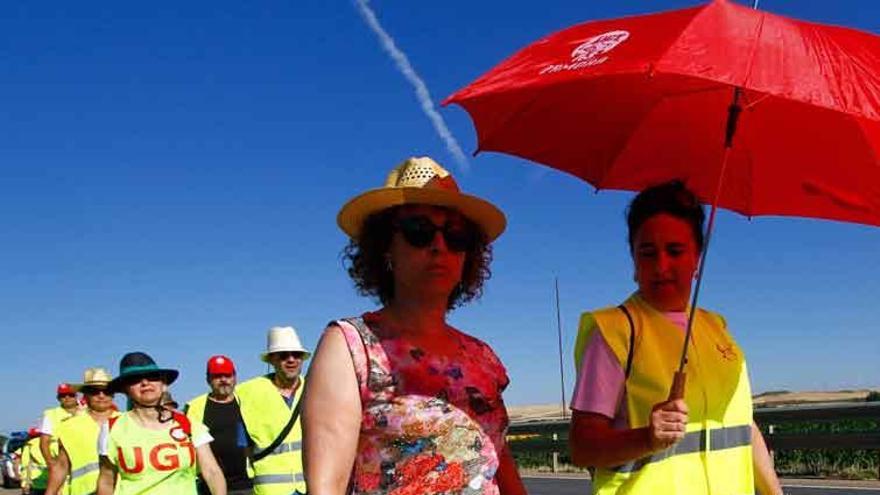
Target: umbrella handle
[678, 382]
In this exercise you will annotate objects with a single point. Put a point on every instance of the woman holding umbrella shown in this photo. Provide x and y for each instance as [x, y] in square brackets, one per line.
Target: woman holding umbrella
[399, 401]
[624, 425]
[151, 449]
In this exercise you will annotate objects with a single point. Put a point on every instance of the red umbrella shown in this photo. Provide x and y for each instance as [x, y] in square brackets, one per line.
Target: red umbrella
[757, 113]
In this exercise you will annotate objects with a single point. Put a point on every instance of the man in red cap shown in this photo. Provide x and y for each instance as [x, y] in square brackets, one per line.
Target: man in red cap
[67, 406]
[219, 411]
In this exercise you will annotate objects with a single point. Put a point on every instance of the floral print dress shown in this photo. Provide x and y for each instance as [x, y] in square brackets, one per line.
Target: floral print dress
[430, 425]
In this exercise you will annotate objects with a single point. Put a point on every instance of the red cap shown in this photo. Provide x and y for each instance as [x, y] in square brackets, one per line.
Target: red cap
[33, 432]
[220, 365]
[64, 389]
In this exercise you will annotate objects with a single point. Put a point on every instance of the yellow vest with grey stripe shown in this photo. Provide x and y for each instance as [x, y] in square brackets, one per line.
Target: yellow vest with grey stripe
[715, 456]
[34, 469]
[265, 414]
[79, 437]
[195, 411]
[56, 416]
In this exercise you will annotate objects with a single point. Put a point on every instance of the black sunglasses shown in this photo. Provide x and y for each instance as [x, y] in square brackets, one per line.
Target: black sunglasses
[150, 377]
[284, 355]
[419, 232]
[69, 394]
[96, 391]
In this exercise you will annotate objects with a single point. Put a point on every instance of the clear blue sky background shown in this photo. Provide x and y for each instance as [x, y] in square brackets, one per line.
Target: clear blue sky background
[170, 174]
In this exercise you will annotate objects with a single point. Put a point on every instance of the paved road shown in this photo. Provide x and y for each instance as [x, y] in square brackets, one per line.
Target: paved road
[557, 486]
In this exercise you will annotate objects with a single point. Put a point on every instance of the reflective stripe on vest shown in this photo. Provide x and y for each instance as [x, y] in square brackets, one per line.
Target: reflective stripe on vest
[265, 413]
[286, 447]
[718, 397]
[88, 468]
[273, 479]
[695, 441]
[79, 436]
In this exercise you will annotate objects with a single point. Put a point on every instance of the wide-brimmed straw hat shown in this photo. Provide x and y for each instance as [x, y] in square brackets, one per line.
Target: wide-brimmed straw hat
[94, 378]
[420, 181]
[136, 365]
[283, 339]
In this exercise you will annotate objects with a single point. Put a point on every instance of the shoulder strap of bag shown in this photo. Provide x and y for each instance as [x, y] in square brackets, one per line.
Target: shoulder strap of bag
[284, 432]
[632, 340]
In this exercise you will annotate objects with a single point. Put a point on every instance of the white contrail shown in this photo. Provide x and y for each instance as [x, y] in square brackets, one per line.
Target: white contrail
[412, 76]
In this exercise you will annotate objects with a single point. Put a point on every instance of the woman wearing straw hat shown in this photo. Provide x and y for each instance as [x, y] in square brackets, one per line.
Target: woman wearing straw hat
[149, 449]
[639, 439]
[78, 437]
[398, 400]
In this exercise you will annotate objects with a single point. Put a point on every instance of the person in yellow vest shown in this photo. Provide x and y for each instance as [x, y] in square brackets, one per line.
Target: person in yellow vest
[67, 406]
[16, 463]
[34, 469]
[270, 406]
[78, 437]
[623, 425]
[151, 450]
[220, 411]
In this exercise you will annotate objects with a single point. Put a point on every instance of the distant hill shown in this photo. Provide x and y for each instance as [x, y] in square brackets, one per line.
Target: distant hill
[772, 398]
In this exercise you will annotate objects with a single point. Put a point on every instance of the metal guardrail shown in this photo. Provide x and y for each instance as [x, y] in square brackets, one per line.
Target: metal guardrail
[768, 417]
[868, 440]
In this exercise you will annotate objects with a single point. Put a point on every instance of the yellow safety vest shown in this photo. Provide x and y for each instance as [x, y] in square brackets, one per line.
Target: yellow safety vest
[265, 414]
[56, 415]
[715, 456]
[195, 411]
[79, 437]
[34, 471]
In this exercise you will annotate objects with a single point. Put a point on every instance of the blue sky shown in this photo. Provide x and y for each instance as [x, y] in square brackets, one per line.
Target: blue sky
[170, 175]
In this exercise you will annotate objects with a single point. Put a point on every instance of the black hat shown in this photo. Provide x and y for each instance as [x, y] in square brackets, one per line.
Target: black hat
[135, 365]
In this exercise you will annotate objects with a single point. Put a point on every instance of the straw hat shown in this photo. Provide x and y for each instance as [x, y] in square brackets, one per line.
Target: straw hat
[281, 339]
[135, 365]
[95, 378]
[420, 181]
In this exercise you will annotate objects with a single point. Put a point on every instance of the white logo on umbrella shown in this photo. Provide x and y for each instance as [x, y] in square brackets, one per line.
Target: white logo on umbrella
[591, 52]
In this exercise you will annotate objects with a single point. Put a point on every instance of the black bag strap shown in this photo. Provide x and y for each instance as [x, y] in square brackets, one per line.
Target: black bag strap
[632, 340]
[280, 438]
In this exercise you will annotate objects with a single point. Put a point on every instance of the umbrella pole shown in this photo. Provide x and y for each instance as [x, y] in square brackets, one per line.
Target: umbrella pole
[680, 378]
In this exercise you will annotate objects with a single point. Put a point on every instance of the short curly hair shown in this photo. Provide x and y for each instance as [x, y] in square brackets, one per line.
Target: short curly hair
[367, 267]
[672, 198]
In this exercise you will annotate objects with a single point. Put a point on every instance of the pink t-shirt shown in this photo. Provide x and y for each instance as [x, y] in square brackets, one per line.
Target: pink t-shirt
[600, 383]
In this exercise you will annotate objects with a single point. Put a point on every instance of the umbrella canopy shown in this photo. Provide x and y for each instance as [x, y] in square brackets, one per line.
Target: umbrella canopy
[632, 102]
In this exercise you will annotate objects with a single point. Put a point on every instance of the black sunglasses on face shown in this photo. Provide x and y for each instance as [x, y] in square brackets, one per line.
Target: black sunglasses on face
[284, 355]
[97, 391]
[419, 232]
[152, 377]
[71, 394]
